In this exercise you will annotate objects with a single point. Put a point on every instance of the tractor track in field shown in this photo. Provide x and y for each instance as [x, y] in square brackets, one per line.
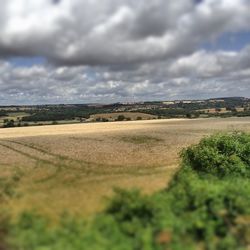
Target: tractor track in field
[61, 162]
[39, 160]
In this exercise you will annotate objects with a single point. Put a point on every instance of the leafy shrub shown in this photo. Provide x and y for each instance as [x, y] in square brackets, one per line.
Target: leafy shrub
[125, 206]
[9, 124]
[209, 209]
[220, 155]
[120, 118]
[131, 211]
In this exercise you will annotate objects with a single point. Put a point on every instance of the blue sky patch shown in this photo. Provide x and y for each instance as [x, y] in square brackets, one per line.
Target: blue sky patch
[229, 42]
[26, 61]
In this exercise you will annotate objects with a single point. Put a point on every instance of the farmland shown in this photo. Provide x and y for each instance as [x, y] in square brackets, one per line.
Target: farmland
[39, 115]
[72, 168]
[122, 116]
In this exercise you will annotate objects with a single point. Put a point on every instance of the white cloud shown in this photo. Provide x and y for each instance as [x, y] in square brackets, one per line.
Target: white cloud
[114, 50]
[103, 32]
[200, 75]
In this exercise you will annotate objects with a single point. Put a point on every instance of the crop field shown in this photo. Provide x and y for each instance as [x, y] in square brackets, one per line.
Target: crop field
[53, 169]
[129, 115]
[13, 116]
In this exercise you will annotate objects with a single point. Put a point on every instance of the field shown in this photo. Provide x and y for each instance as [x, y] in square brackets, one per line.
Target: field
[127, 115]
[73, 167]
[214, 111]
[13, 116]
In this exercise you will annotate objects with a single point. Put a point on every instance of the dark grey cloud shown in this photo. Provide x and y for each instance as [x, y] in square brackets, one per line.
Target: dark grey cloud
[56, 1]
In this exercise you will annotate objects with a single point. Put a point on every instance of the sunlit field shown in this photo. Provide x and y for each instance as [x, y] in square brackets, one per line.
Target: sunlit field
[74, 168]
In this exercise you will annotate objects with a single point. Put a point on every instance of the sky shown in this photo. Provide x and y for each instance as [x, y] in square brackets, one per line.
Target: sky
[105, 51]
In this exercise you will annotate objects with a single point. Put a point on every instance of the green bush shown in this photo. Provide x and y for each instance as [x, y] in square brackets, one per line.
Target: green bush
[220, 155]
[209, 210]
[131, 206]
[120, 118]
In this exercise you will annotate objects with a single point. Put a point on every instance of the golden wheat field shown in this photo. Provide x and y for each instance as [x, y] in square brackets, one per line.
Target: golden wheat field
[74, 167]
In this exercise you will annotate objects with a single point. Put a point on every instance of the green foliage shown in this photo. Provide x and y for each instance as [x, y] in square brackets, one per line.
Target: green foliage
[197, 211]
[131, 211]
[9, 123]
[64, 113]
[120, 118]
[221, 155]
[209, 210]
[3, 113]
[175, 112]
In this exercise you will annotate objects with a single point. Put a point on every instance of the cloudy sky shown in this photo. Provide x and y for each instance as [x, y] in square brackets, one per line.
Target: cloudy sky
[81, 51]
